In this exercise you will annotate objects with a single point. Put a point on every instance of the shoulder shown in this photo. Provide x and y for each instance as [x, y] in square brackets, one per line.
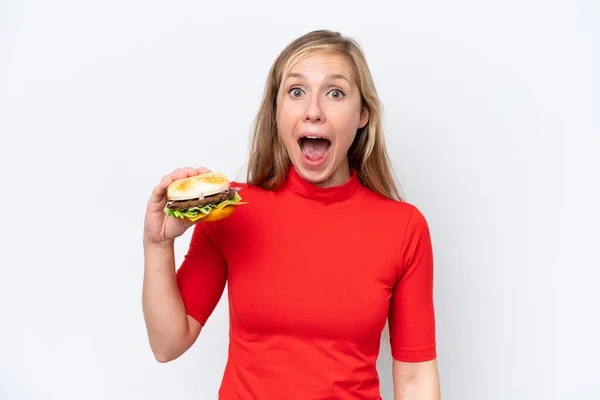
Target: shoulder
[251, 218]
[390, 207]
[248, 191]
[256, 202]
[398, 218]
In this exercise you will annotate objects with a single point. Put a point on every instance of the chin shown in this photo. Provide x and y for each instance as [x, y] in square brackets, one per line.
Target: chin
[314, 174]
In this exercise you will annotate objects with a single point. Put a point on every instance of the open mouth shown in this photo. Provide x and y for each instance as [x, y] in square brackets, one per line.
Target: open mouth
[314, 148]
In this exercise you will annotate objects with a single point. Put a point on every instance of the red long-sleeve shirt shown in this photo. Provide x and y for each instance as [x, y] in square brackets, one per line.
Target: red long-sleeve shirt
[312, 275]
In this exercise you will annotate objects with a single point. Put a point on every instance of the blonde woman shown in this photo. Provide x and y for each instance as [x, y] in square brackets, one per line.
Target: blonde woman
[322, 256]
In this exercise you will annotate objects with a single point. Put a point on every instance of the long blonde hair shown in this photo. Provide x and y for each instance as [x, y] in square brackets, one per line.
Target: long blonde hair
[269, 162]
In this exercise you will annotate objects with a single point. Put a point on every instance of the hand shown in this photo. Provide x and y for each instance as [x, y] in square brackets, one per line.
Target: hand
[159, 227]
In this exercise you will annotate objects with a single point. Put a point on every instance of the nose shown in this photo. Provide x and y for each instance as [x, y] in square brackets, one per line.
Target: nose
[314, 110]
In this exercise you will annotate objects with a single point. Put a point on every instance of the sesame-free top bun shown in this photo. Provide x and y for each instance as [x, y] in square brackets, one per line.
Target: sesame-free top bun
[196, 186]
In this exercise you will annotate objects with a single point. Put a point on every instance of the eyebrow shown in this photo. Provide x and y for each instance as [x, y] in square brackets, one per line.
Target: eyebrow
[329, 76]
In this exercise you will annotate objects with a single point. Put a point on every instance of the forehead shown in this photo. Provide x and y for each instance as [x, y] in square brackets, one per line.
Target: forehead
[318, 63]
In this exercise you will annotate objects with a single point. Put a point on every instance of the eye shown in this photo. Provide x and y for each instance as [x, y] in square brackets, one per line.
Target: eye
[296, 92]
[337, 93]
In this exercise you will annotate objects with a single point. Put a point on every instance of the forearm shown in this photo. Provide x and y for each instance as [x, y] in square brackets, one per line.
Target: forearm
[164, 312]
[416, 381]
[422, 389]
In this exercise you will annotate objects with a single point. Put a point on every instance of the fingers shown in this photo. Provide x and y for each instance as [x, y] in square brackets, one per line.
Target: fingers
[179, 173]
[159, 195]
[187, 224]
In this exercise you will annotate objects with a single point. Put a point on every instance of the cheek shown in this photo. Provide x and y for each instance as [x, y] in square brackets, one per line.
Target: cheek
[285, 129]
[347, 125]
[286, 121]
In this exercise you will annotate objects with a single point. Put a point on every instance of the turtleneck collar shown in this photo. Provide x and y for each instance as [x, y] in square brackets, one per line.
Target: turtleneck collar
[297, 185]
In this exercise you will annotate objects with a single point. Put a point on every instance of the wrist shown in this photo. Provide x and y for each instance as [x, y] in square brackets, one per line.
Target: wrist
[164, 245]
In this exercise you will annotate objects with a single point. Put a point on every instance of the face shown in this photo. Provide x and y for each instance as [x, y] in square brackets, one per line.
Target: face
[318, 115]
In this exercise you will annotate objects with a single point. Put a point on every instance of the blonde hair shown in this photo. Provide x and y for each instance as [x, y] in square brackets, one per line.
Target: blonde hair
[269, 162]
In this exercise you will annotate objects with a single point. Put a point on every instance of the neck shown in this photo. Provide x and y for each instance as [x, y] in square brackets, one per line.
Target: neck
[339, 177]
[325, 193]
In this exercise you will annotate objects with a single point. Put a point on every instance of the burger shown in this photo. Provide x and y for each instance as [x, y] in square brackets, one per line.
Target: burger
[205, 197]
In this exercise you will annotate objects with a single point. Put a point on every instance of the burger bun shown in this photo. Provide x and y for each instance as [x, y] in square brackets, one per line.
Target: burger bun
[197, 186]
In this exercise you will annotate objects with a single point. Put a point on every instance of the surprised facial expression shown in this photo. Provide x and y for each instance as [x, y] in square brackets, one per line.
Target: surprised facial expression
[318, 116]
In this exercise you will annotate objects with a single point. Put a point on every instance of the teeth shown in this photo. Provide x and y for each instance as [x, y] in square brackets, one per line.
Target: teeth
[313, 137]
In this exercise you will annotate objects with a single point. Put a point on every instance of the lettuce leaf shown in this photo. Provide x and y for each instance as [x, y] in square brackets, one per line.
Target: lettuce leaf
[194, 211]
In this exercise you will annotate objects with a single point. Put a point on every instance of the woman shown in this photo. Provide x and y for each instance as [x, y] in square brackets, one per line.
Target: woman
[323, 255]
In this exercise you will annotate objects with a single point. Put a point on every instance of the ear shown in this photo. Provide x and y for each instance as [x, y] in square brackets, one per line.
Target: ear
[364, 117]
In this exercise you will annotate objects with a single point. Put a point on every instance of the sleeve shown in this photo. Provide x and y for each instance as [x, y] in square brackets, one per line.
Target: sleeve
[411, 316]
[202, 275]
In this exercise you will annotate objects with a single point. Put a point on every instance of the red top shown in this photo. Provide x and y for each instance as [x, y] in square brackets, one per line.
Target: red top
[313, 274]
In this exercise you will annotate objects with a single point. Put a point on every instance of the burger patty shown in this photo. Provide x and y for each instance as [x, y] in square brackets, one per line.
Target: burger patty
[183, 205]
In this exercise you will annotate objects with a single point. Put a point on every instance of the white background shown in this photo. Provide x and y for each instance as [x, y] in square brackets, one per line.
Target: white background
[491, 112]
